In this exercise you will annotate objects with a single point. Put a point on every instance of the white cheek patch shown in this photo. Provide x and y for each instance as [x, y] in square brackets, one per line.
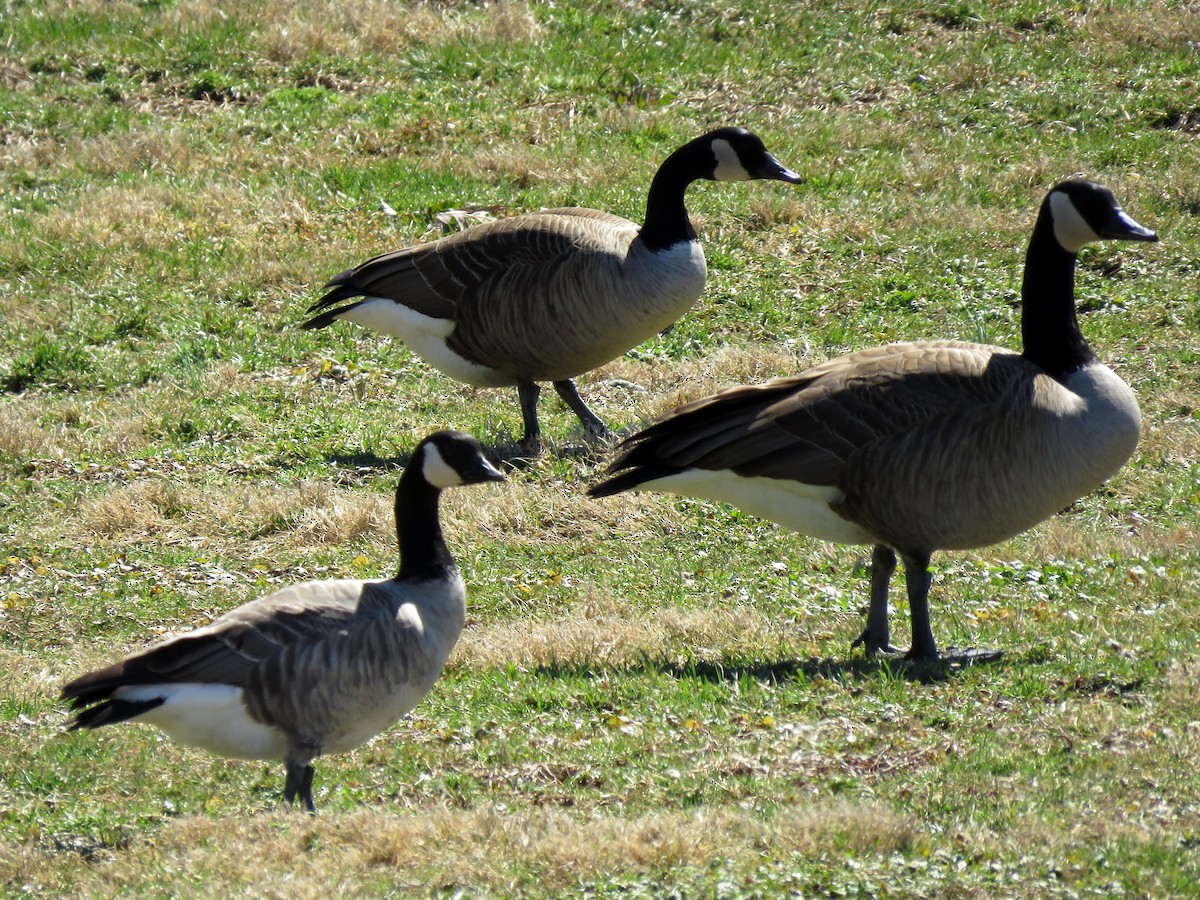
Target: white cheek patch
[729, 166]
[1070, 228]
[437, 471]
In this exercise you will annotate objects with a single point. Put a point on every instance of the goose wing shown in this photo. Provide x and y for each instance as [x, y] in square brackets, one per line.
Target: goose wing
[436, 278]
[232, 646]
[816, 427]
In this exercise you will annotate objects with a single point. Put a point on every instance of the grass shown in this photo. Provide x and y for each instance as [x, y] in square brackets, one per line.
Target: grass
[654, 696]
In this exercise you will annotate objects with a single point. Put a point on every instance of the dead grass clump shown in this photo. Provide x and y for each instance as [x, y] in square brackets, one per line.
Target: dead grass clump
[669, 385]
[1182, 685]
[1175, 439]
[306, 516]
[139, 509]
[1064, 537]
[515, 162]
[117, 215]
[14, 75]
[484, 847]
[20, 433]
[287, 36]
[605, 634]
[147, 215]
[382, 26]
[294, 29]
[74, 427]
[1156, 25]
[142, 149]
[311, 514]
[521, 513]
[335, 519]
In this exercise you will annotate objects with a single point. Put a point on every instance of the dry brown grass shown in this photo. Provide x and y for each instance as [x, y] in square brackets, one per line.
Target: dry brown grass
[605, 633]
[1151, 25]
[648, 390]
[1183, 688]
[20, 433]
[153, 216]
[310, 515]
[293, 29]
[290, 856]
[1063, 537]
[114, 216]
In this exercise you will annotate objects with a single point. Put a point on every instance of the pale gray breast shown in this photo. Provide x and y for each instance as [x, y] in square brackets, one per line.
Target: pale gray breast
[1018, 453]
[360, 677]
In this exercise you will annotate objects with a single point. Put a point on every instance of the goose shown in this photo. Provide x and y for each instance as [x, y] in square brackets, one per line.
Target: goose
[917, 447]
[314, 668]
[548, 295]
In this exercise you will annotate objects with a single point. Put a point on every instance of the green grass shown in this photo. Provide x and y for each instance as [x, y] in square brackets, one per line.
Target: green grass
[654, 696]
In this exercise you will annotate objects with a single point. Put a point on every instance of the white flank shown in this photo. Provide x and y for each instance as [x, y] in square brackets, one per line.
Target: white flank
[426, 337]
[1070, 228]
[211, 716]
[729, 165]
[801, 507]
[437, 471]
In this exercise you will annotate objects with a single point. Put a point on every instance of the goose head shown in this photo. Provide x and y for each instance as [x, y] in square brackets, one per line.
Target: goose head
[740, 155]
[448, 459]
[1083, 211]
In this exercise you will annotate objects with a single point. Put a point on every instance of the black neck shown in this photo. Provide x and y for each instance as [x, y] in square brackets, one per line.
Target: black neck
[1049, 329]
[667, 222]
[423, 551]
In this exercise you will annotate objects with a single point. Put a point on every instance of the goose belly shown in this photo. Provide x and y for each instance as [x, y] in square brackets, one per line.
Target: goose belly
[425, 336]
[210, 716]
[380, 674]
[804, 508]
[373, 718]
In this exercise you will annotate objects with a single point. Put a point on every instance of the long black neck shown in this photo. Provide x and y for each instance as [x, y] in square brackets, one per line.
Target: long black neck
[667, 222]
[1049, 329]
[423, 551]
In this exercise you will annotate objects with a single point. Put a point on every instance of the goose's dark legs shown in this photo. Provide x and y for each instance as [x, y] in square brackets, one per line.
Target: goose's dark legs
[298, 784]
[875, 638]
[591, 422]
[918, 580]
[529, 393]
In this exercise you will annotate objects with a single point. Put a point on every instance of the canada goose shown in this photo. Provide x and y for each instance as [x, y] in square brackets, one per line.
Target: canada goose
[314, 668]
[549, 295]
[916, 447]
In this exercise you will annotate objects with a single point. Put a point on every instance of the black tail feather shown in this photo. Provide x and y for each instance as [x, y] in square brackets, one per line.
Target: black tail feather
[112, 711]
[341, 291]
[327, 318]
[632, 478]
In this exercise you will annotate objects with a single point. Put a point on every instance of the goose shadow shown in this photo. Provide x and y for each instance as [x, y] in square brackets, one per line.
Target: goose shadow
[784, 671]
